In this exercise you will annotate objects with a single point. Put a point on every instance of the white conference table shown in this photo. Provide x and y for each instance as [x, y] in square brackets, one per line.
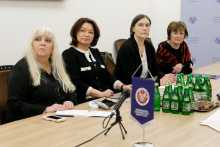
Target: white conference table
[170, 130]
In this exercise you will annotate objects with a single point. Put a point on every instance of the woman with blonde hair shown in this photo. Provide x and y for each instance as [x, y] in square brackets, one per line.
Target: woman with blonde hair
[38, 82]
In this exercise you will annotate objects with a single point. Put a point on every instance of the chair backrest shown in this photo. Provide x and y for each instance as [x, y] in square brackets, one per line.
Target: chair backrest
[4, 71]
[109, 61]
[119, 42]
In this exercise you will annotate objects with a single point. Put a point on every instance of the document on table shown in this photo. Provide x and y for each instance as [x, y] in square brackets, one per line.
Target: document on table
[99, 114]
[213, 121]
[73, 113]
[82, 113]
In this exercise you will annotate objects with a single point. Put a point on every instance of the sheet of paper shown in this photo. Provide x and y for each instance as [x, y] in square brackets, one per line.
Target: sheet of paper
[214, 124]
[116, 96]
[213, 121]
[73, 113]
[99, 114]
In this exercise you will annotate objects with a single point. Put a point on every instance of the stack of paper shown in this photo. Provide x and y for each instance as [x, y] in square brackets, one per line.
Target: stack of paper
[83, 113]
[213, 121]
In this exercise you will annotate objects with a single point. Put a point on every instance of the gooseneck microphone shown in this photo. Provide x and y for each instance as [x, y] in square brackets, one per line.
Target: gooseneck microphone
[125, 94]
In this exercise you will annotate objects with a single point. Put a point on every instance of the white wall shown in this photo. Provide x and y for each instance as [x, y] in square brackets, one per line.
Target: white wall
[19, 18]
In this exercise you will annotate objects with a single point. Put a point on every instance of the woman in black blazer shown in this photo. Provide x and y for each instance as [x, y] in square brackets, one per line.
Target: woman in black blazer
[85, 65]
[135, 51]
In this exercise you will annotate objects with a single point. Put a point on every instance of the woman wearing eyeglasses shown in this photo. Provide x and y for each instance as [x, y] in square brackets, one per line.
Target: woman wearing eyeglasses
[38, 82]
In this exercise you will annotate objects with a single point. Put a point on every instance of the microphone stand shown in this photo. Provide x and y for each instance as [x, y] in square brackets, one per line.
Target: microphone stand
[118, 120]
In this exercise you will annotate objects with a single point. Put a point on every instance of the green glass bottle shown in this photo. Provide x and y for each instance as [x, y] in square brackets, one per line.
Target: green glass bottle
[210, 88]
[205, 90]
[175, 101]
[191, 97]
[156, 97]
[192, 81]
[182, 81]
[178, 79]
[197, 90]
[180, 95]
[170, 89]
[200, 81]
[166, 100]
[188, 80]
[186, 110]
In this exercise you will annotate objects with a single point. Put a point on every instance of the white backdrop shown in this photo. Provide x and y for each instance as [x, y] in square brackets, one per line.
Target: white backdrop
[202, 18]
[18, 18]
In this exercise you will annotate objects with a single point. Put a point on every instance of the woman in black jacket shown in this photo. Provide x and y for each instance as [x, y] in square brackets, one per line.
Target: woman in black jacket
[85, 65]
[136, 51]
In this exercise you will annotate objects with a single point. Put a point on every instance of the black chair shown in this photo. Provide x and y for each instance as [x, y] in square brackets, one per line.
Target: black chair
[119, 42]
[6, 67]
[4, 71]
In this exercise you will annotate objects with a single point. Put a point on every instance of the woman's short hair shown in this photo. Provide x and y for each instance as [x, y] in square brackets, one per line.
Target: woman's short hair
[175, 26]
[77, 26]
[55, 58]
[135, 20]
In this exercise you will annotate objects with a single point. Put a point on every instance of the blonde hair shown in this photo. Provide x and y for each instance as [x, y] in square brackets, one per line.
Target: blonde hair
[57, 63]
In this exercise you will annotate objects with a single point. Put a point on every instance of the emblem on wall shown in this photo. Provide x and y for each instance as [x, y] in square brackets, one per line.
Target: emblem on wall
[192, 19]
[217, 39]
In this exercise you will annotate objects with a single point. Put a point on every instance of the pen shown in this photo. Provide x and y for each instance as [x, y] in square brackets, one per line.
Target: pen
[65, 115]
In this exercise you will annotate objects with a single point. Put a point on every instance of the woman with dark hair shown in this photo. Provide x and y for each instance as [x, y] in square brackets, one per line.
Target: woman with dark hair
[136, 51]
[85, 65]
[173, 55]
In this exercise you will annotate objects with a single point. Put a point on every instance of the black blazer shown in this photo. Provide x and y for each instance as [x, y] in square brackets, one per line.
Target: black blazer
[96, 75]
[128, 60]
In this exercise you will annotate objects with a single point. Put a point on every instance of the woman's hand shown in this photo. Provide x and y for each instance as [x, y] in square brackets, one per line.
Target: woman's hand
[191, 66]
[177, 68]
[127, 87]
[106, 93]
[68, 105]
[55, 107]
[167, 78]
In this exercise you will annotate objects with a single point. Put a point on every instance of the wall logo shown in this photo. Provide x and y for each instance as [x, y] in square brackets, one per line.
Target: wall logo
[217, 39]
[218, 1]
[142, 96]
[193, 59]
[192, 19]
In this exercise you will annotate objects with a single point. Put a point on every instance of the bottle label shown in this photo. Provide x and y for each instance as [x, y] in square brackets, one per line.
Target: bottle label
[174, 106]
[186, 107]
[192, 105]
[166, 96]
[166, 105]
[204, 95]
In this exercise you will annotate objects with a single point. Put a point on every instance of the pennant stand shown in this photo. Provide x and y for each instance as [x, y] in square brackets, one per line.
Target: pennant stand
[142, 106]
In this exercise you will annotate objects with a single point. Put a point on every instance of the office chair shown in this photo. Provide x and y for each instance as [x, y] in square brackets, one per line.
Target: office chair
[119, 42]
[109, 61]
[4, 71]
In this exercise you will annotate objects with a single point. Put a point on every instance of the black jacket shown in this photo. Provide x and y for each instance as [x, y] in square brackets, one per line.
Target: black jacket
[25, 100]
[128, 60]
[85, 74]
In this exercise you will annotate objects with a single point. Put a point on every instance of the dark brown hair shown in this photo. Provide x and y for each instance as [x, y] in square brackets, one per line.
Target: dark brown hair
[135, 20]
[174, 26]
[76, 27]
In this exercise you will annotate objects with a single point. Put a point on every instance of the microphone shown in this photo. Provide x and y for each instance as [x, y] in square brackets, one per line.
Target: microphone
[125, 94]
